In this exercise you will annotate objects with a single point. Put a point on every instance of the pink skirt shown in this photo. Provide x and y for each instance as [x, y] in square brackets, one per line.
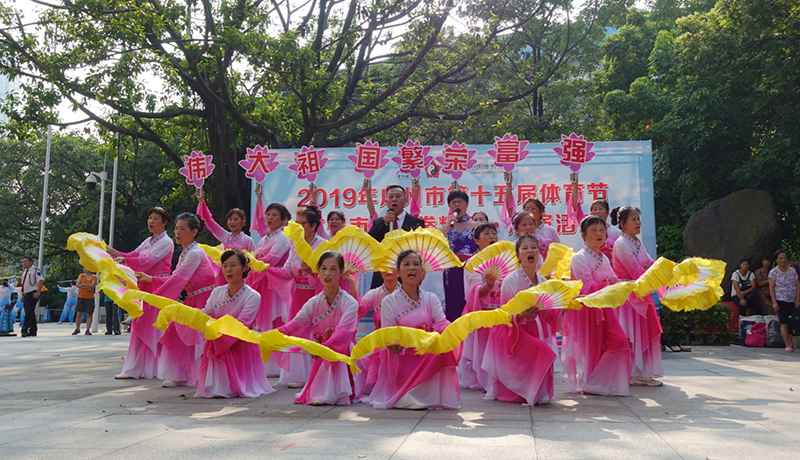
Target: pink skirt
[406, 380]
[231, 368]
[141, 361]
[639, 319]
[597, 355]
[328, 383]
[180, 348]
[518, 364]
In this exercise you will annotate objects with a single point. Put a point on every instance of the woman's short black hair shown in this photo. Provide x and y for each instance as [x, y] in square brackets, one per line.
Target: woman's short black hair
[536, 202]
[405, 254]
[603, 203]
[456, 194]
[338, 214]
[518, 219]
[191, 220]
[588, 221]
[476, 234]
[331, 254]
[239, 254]
[281, 209]
[313, 215]
[158, 210]
[522, 239]
[237, 211]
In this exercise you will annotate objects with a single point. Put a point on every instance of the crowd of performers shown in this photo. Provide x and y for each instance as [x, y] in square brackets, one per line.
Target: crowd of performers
[600, 351]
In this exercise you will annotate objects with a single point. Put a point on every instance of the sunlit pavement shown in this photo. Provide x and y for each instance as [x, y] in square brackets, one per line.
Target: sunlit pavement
[58, 399]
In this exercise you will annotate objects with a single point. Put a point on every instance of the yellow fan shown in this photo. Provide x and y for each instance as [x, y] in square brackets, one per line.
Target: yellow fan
[430, 244]
[499, 258]
[359, 249]
[557, 263]
[657, 276]
[215, 254]
[695, 285]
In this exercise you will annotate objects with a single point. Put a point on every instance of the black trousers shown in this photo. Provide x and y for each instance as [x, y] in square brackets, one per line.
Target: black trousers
[29, 304]
[112, 317]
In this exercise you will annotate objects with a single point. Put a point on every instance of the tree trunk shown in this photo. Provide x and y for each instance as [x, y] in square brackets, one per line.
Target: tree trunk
[227, 185]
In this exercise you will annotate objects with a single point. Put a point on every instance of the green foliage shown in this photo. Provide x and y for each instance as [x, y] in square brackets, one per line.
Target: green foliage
[709, 327]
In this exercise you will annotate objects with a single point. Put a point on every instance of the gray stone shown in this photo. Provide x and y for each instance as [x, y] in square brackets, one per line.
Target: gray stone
[742, 224]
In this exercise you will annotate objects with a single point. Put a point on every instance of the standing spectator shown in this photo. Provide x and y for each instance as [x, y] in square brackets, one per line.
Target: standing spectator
[784, 289]
[112, 315]
[85, 282]
[743, 285]
[31, 285]
[762, 284]
[68, 313]
[6, 322]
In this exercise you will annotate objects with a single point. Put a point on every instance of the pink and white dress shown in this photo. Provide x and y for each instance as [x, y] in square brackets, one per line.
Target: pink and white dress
[296, 366]
[405, 379]
[371, 301]
[333, 325]
[608, 248]
[596, 352]
[276, 293]
[180, 346]
[229, 367]
[228, 239]
[518, 360]
[470, 370]
[153, 257]
[545, 234]
[639, 317]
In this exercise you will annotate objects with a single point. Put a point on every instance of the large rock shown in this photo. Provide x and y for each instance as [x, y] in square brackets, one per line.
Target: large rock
[742, 224]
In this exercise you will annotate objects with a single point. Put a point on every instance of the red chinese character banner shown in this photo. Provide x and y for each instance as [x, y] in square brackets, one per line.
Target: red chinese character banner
[308, 162]
[508, 151]
[196, 168]
[620, 172]
[413, 157]
[369, 158]
[456, 159]
[574, 151]
[258, 162]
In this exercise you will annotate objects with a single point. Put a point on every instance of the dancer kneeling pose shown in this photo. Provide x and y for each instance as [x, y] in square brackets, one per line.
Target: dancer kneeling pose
[597, 354]
[405, 379]
[329, 318]
[230, 367]
[518, 361]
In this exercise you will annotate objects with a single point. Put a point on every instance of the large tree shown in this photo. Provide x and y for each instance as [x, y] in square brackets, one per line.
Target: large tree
[222, 75]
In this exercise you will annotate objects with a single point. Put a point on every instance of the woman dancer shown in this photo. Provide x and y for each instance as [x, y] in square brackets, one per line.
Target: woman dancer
[229, 367]
[152, 260]
[638, 317]
[329, 318]
[405, 379]
[482, 293]
[597, 354]
[273, 248]
[235, 219]
[180, 346]
[371, 302]
[296, 366]
[518, 361]
[600, 209]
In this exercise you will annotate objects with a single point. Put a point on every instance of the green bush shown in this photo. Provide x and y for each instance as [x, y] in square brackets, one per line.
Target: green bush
[709, 327]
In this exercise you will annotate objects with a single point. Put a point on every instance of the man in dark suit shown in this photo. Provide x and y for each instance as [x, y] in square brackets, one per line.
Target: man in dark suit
[395, 217]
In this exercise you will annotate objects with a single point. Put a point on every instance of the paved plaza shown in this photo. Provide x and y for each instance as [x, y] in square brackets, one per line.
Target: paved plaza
[58, 400]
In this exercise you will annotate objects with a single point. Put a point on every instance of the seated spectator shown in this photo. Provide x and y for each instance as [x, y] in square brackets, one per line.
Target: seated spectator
[743, 286]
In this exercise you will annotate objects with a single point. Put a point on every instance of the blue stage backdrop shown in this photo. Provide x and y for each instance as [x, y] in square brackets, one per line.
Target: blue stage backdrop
[622, 172]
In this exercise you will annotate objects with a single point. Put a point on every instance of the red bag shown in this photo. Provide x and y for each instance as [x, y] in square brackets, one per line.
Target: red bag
[756, 336]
